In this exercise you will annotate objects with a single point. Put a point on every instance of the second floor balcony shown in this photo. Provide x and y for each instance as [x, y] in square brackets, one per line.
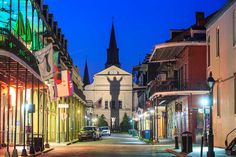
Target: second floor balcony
[175, 85]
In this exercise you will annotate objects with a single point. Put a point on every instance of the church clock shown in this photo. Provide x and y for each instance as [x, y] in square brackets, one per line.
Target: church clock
[113, 72]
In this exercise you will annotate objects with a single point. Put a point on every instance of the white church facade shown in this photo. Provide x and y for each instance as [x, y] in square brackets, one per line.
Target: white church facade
[111, 90]
[111, 94]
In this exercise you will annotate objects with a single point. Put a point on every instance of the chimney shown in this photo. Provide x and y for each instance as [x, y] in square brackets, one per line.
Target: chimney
[50, 20]
[40, 4]
[200, 19]
[175, 32]
[59, 34]
[55, 27]
[45, 12]
[66, 44]
[62, 40]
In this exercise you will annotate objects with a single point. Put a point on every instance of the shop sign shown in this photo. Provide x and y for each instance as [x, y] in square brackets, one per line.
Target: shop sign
[31, 108]
[28, 129]
[148, 103]
[178, 106]
[63, 106]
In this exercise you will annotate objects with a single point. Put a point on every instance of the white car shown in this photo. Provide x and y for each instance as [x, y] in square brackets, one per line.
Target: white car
[105, 130]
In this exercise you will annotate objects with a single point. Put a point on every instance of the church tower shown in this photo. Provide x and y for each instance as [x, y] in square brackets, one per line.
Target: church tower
[112, 51]
[86, 79]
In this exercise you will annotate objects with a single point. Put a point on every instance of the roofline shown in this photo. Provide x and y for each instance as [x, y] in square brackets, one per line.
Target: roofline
[97, 74]
[220, 13]
[176, 44]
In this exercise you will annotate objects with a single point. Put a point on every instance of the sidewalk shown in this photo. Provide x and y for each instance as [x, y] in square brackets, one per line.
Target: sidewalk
[168, 145]
[54, 144]
[219, 152]
[19, 149]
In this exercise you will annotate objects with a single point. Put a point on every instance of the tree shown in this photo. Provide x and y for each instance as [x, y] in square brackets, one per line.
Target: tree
[125, 124]
[102, 121]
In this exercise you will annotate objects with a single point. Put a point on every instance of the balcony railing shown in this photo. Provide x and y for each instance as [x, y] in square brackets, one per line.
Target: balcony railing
[10, 43]
[176, 85]
[78, 92]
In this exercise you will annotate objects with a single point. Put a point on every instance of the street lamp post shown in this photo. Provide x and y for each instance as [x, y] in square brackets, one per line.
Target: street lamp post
[32, 149]
[211, 152]
[205, 128]
[47, 144]
[24, 152]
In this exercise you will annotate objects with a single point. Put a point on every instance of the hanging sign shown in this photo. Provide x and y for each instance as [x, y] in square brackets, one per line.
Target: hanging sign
[45, 62]
[65, 88]
[63, 106]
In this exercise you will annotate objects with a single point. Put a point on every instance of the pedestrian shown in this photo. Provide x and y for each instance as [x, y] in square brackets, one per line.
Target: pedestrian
[174, 132]
[175, 135]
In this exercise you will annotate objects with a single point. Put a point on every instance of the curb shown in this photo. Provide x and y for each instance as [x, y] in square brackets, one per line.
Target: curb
[43, 152]
[178, 154]
[72, 142]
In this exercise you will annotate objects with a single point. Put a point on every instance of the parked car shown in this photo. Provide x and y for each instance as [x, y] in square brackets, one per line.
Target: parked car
[89, 132]
[105, 130]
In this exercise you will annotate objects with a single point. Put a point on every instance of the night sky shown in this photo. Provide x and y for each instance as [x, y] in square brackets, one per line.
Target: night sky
[139, 25]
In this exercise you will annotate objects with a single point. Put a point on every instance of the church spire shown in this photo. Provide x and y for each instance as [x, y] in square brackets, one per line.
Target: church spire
[112, 51]
[86, 74]
[112, 44]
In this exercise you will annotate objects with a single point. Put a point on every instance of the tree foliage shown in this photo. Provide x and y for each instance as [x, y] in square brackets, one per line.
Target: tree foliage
[125, 124]
[102, 121]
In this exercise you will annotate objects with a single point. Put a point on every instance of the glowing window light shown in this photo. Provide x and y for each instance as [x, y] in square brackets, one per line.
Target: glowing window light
[13, 96]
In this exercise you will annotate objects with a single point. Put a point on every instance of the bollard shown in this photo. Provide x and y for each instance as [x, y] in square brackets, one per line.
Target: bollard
[202, 139]
[176, 142]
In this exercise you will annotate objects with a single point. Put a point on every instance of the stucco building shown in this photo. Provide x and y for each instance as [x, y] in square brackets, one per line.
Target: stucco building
[181, 81]
[221, 38]
[29, 108]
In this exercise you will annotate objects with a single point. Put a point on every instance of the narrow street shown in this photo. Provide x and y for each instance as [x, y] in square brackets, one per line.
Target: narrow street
[158, 77]
[114, 146]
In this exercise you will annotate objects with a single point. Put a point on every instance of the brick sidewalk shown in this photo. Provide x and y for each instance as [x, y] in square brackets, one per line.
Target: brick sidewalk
[168, 146]
[19, 149]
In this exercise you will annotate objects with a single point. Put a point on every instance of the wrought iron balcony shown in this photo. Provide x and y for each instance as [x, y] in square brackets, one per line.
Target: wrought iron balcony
[79, 92]
[11, 44]
[176, 85]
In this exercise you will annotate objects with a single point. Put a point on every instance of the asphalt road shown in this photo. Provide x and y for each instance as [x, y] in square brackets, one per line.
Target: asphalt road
[117, 145]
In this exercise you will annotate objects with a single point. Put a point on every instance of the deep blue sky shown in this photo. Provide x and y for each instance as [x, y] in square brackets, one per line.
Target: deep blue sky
[139, 25]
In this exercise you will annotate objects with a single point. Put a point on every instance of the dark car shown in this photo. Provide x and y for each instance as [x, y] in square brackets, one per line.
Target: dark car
[89, 132]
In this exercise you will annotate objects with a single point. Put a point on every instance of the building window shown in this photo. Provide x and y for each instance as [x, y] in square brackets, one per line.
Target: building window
[113, 104]
[106, 104]
[120, 104]
[208, 51]
[218, 100]
[217, 42]
[234, 28]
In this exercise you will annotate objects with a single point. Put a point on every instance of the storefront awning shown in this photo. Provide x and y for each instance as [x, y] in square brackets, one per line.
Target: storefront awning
[8, 67]
[167, 54]
[179, 93]
[170, 51]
